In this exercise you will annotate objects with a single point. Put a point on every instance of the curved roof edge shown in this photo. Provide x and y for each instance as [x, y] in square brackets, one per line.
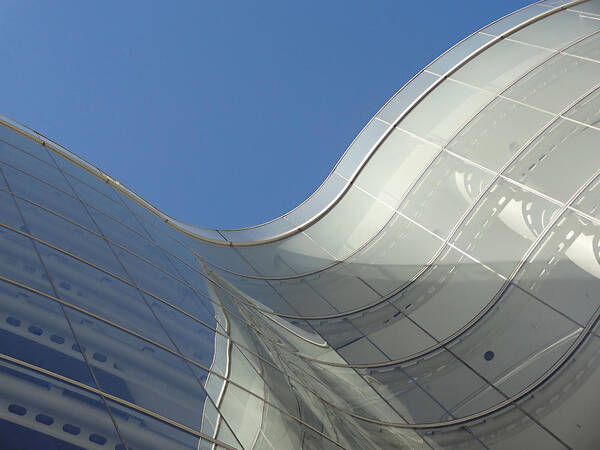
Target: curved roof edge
[355, 157]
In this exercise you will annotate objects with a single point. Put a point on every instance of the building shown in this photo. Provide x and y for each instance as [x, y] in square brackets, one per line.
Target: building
[439, 290]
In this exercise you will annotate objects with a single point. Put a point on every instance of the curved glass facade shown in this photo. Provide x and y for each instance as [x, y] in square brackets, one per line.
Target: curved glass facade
[439, 290]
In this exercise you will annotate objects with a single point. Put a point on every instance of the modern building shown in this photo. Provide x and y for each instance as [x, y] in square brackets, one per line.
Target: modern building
[441, 289]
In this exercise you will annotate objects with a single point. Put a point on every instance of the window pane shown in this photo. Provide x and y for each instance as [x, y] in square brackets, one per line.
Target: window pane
[501, 64]
[443, 194]
[456, 54]
[395, 166]
[497, 132]
[399, 102]
[559, 161]
[503, 225]
[556, 83]
[360, 148]
[443, 112]
[557, 30]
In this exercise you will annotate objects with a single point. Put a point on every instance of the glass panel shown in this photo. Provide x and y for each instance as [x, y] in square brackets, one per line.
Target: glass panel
[341, 289]
[18, 159]
[261, 232]
[140, 372]
[498, 132]
[444, 193]
[587, 110]
[395, 166]
[350, 224]
[448, 295]
[141, 431]
[592, 7]
[588, 48]
[20, 262]
[10, 214]
[296, 254]
[457, 53]
[498, 66]
[360, 148]
[48, 197]
[323, 196]
[516, 343]
[24, 143]
[514, 19]
[557, 30]
[512, 429]
[588, 202]
[566, 152]
[33, 329]
[421, 388]
[394, 256]
[503, 225]
[303, 297]
[103, 203]
[399, 102]
[55, 230]
[566, 404]
[40, 412]
[99, 293]
[557, 83]
[564, 271]
[444, 111]
[193, 339]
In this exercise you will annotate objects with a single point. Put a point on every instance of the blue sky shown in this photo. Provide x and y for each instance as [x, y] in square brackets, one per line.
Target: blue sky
[220, 113]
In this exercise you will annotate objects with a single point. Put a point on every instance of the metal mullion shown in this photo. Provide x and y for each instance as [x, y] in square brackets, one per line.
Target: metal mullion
[51, 282]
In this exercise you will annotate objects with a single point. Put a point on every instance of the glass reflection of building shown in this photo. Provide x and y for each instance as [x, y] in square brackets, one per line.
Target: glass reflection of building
[439, 290]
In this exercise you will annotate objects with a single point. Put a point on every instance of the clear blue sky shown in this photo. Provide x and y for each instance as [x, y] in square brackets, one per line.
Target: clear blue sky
[220, 113]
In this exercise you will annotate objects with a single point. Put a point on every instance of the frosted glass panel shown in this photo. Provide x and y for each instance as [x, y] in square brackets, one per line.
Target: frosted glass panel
[440, 115]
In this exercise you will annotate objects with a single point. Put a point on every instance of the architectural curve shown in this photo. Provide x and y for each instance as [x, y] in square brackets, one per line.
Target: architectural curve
[439, 290]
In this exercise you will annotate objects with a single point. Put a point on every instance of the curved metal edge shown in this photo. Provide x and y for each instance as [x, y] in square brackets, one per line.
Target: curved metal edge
[214, 236]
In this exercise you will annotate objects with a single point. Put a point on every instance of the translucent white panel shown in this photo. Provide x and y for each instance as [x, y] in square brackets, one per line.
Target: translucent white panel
[592, 7]
[394, 256]
[587, 110]
[440, 115]
[503, 225]
[446, 297]
[448, 187]
[565, 271]
[360, 148]
[557, 83]
[588, 48]
[589, 200]
[303, 297]
[260, 232]
[512, 429]
[362, 351]
[559, 161]
[289, 256]
[568, 404]
[500, 65]
[399, 102]
[514, 19]
[395, 166]
[458, 53]
[350, 224]
[557, 30]
[514, 345]
[341, 289]
[316, 203]
[497, 132]
[401, 338]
